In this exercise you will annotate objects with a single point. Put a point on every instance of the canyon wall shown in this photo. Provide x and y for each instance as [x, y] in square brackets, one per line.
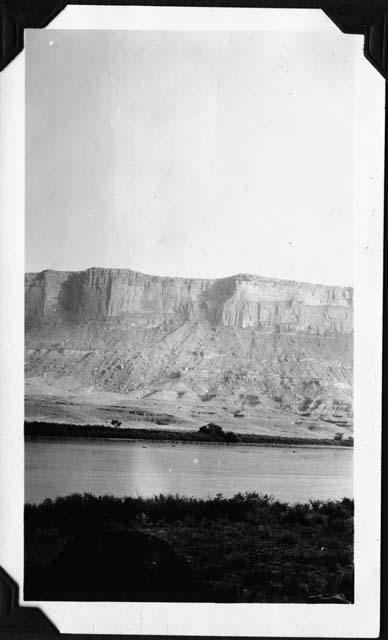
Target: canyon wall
[235, 349]
[139, 299]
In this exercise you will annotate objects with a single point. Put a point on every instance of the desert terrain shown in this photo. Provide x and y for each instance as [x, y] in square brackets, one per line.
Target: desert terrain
[255, 355]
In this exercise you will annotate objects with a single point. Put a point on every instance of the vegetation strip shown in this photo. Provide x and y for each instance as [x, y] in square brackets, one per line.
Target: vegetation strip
[208, 433]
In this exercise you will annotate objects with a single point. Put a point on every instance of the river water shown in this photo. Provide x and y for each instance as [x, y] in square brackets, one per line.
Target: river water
[293, 474]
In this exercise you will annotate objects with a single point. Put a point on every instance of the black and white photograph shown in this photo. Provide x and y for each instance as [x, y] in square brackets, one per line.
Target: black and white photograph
[189, 316]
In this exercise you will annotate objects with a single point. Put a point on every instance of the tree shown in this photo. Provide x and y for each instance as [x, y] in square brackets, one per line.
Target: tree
[212, 429]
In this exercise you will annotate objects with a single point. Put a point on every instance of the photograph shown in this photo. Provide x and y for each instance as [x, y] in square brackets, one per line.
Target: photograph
[189, 288]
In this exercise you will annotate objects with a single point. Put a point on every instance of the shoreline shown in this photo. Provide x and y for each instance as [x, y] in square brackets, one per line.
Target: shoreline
[35, 430]
[278, 445]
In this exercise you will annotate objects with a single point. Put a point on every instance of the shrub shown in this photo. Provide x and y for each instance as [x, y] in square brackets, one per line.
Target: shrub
[206, 397]
[288, 537]
[293, 586]
[296, 514]
[231, 436]
[236, 560]
[258, 577]
[345, 582]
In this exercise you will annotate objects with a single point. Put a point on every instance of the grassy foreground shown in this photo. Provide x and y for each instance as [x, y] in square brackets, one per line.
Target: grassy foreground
[249, 548]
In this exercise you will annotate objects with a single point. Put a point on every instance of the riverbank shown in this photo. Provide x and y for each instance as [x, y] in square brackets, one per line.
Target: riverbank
[60, 430]
[249, 548]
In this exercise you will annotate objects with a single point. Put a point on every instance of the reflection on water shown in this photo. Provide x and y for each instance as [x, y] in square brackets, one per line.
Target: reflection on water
[55, 468]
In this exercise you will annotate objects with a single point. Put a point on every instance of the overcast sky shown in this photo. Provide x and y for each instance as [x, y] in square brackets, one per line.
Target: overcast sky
[191, 153]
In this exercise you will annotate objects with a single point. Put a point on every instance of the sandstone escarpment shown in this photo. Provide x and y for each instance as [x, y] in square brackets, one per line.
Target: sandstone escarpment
[236, 346]
[139, 299]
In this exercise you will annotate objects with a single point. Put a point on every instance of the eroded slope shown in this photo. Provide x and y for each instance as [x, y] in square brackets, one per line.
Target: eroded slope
[254, 353]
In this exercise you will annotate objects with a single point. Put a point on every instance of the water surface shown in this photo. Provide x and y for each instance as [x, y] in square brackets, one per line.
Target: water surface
[293, 474]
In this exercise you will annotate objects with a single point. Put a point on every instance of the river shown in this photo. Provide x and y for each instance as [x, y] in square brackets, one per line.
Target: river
[121, 468]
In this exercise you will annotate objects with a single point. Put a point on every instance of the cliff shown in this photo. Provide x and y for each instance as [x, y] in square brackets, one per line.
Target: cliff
[236, 346]
[239, 301]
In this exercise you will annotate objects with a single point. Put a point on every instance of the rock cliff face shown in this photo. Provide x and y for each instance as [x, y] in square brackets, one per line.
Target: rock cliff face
[139, 299]
[236, 345]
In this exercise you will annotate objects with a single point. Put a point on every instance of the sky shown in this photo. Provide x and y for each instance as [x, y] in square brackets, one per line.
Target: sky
[195, 154]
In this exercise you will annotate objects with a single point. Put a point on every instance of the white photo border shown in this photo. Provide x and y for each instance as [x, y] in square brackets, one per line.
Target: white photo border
[358, 620]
